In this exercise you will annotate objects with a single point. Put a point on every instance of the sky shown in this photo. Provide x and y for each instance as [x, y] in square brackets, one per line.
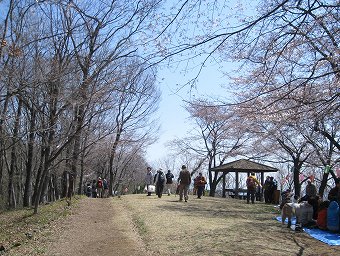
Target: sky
[172, 115]
[174, 119]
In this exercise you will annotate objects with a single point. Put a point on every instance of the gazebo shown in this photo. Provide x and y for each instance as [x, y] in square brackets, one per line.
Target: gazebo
[242, 166]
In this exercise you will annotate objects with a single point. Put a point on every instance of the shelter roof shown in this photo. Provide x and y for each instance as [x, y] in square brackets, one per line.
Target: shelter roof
[244, 165]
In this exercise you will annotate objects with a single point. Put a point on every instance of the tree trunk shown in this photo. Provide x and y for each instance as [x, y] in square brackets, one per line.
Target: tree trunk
[56, 187]
[296, 175]
[39, 174]
[13, 161]
[112, 156]
[30, 149]
[49, 143]
[76, 149]
[65, 184]
[42, 182]
[2, 141]
[82, 167]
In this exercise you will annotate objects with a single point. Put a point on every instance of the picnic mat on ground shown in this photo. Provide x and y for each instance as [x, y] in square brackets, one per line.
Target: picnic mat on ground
[321, 235]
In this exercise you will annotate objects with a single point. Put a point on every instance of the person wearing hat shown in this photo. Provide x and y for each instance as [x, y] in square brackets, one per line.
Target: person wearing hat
[159, 181]
[184, 180]
[334, 193]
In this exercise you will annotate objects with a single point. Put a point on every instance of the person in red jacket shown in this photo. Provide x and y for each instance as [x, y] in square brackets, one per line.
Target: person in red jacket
[321, 221]
[201, 181]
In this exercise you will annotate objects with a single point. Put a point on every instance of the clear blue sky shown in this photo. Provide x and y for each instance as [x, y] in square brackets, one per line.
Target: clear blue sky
[174, 119]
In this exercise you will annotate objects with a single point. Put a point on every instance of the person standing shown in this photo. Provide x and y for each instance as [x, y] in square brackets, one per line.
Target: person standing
[201, 181]
[266, 188]
[94, 188]
[252, 183]
[100, 187]
[184, 180]
[106, 188]
[169, 176]
[159, 181]
[148, 180]
[271, 189]
[194, 191]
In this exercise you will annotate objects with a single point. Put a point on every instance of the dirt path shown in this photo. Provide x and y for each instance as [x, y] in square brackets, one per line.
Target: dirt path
[166, 227]
[97, 228]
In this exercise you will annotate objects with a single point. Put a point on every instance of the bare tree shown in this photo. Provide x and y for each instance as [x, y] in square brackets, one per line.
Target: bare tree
[218, 138]
[137, 99]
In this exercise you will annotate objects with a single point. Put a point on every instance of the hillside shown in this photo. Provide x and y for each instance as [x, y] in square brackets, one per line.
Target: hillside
[141, 225]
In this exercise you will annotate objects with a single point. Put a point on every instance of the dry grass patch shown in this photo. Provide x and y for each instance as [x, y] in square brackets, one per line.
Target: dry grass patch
[24, 233]
[217, 226]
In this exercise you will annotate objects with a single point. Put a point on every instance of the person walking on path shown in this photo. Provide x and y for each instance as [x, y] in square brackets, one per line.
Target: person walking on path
[251, 187]
[100, 187]
[148, 180]
[159, 181]
[169, 176]
[184, 180]
[201, 181]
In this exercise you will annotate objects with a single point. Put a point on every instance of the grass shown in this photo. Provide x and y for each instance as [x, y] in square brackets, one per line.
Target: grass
[164, 226]
[140, 225]
[216, 226]
[23, 228]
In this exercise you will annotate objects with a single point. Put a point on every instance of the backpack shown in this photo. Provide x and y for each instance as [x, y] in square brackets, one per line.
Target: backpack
[105, 184]
[169, 177]
[99, 184]
[161, 177]
[251, 182]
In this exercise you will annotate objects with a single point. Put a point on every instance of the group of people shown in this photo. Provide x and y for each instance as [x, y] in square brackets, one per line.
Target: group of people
[269, 186]
[97, 189]
[311, 211]
[254, 189]
[159, 180]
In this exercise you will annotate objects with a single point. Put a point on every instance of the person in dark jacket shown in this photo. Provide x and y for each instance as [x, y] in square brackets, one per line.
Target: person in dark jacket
[334, 193]
[184, 180]
[159, 181]
[169, 176]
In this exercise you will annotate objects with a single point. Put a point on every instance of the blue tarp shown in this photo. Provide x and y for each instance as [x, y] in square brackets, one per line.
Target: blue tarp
[327, 237]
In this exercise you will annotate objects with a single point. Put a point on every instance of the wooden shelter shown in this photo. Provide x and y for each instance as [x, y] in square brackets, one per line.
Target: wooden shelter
[241, 166]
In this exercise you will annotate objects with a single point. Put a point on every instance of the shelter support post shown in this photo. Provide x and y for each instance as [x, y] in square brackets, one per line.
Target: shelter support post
[223, 193]
[237, 185]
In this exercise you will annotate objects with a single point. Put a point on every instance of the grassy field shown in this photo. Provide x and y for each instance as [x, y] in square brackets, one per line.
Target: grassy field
[22, 228]
[217, 226]
[207, 226]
